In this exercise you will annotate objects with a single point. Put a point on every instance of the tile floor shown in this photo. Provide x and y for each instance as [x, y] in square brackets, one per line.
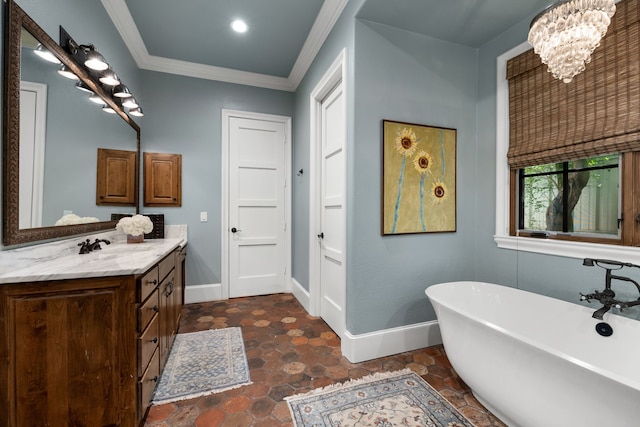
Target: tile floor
[291, 352]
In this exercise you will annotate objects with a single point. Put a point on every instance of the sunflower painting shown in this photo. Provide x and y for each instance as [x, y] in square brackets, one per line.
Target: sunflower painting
[419, 179]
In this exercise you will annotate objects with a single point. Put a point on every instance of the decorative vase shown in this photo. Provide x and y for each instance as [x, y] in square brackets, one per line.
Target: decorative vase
[135, 239]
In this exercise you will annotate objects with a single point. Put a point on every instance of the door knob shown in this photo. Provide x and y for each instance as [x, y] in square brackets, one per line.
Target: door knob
[235, 230]
[321, 236]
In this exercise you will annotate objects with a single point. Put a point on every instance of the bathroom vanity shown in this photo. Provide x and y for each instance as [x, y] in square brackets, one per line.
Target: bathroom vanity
[84, 338]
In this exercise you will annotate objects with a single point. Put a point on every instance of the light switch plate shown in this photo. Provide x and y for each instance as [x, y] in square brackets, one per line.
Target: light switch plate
[203, 217]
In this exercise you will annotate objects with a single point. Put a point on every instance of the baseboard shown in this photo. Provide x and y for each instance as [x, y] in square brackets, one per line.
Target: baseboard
[373, 345]
[301, 294]
[202, 293]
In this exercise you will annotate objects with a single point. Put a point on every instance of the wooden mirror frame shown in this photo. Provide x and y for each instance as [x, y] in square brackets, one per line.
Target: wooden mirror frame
[12, 234]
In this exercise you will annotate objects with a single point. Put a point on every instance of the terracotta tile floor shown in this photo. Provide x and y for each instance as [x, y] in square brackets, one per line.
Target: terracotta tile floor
[291, 352]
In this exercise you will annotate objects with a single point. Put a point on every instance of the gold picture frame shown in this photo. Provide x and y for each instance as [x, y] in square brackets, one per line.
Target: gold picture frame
[418, 179]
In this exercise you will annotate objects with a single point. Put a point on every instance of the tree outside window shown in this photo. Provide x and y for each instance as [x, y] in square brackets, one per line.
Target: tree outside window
[573, 197]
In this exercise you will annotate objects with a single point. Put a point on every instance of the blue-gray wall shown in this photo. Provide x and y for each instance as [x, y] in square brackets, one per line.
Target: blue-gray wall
[184, 116]
[398, 75]
[404, 76]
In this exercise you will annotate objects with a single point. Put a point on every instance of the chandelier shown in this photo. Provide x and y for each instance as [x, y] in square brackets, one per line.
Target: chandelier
[566, 33]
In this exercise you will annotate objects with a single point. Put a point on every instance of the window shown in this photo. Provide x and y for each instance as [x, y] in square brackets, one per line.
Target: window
[573, 198]
[568, 155]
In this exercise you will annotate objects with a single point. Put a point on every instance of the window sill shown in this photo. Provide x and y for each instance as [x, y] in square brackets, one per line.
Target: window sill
[569, 249]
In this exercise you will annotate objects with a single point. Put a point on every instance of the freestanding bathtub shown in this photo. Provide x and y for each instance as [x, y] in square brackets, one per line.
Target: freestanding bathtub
[535, 361]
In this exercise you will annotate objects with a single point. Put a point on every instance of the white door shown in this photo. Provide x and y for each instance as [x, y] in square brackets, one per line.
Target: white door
[33, 123]
[257, 220]
[332, 217]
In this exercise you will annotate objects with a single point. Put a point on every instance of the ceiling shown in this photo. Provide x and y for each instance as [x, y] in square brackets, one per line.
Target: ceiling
[194, 38]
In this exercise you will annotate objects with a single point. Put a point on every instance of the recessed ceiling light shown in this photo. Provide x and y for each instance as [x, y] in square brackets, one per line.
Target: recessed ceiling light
[239, 26]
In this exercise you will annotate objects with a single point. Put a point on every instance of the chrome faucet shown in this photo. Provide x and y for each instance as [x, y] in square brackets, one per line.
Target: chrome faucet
[608, 297]
[87, 246]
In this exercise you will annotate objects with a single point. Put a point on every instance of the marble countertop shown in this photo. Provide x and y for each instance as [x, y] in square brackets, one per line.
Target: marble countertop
[64, 262]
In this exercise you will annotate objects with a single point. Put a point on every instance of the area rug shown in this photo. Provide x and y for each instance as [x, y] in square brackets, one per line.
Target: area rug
[400, 398]
[203, 363]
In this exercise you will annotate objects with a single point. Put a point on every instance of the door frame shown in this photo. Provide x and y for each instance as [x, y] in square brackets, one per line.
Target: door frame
[335, 75]
[227, 115]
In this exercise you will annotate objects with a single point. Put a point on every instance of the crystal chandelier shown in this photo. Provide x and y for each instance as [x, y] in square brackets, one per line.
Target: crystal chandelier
[567, 32]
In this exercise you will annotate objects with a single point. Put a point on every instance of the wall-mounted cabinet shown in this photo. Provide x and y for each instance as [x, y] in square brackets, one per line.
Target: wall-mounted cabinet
[116, 180]
[162, 179]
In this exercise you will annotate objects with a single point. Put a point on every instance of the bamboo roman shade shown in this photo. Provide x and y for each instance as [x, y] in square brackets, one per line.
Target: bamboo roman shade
[597, 113]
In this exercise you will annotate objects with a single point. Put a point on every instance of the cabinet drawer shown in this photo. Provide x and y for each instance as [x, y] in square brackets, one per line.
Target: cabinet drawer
[148, 284]
[148, 382]
[147, 344]
[166, 265]
[147, 310]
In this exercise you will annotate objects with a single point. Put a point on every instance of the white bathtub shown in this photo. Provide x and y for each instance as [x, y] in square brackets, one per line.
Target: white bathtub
[536, 361]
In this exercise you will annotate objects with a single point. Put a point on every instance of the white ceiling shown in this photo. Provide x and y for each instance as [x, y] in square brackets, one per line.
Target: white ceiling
[193, 37]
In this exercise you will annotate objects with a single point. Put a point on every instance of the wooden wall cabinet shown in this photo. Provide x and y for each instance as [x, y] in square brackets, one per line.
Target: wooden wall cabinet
[116, 182]
[162, 179]
[87, 352]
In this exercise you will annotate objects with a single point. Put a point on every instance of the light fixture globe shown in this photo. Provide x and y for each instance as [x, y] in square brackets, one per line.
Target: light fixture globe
[95, 60]
[97, 99]
[136, 112]
[107, 109]
[121, 91]
[65, 72]
[46, 54]
[566, 33]
[130, 102]
[83, 87]
[109, 78]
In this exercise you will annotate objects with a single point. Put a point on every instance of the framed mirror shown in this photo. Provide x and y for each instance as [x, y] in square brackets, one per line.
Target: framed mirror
[53, 173]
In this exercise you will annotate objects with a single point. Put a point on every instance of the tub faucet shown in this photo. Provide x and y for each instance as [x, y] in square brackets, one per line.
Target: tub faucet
[608, 297]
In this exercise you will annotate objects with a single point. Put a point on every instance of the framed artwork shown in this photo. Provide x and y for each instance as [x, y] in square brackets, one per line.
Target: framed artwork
[418, 178]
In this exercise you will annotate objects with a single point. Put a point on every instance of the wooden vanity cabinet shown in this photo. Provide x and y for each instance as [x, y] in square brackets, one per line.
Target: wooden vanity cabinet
[68, 354]
[157, 325]
[86, 352]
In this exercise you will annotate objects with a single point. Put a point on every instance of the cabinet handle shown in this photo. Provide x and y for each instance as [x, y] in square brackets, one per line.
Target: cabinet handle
[155, 379]
[152, 282]
[169, 289]
[155, 308]
[155, 340]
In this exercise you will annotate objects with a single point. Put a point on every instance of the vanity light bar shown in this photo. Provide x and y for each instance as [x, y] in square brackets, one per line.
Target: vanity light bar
[88, 58]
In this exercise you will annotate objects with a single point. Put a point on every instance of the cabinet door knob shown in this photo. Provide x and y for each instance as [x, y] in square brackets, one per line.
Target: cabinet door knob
[155, 340]
[153, 282]
[155, 308]
[169, 289]
[155, 379]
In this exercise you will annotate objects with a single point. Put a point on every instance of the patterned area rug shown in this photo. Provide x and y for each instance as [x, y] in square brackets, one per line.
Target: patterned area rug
[203, 363]
[400, 398]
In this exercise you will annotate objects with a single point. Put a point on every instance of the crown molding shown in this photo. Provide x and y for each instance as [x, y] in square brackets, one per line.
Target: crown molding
[126, 26]
[210, 72]
[326, 19]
